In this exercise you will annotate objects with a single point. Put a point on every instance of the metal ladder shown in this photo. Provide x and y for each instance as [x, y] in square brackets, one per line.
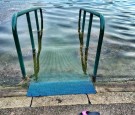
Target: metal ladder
[15, 33]
[81, 26]
[81, 35]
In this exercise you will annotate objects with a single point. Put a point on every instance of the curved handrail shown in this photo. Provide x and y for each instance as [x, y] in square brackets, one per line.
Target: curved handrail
[101, 34]
[15, 34]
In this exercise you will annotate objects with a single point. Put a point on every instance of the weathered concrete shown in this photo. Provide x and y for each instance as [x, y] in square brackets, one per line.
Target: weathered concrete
[99, 98]
[12, 102]
[107, 93]
[112, 109]
[12, 92]
[59, 100]
[125, 86]
[112, 97]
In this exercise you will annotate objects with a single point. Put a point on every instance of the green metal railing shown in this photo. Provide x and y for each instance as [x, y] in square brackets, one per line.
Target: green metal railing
[15, 33]
[81, 34]
[40, 30]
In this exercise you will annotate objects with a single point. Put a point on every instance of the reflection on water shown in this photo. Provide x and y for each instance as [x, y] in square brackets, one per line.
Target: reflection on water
[117, 57]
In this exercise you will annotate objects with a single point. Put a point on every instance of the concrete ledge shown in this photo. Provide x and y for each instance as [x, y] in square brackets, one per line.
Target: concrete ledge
[12, 102]
[112, 97]
[108, 93]
[99, 98]
[59, 100]
[125, 86]
[112, 109]
[12, 91]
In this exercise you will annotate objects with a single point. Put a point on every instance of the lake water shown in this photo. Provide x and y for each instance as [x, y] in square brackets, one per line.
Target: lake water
[61, 29]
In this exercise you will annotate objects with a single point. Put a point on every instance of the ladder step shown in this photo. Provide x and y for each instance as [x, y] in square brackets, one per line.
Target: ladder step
[60, 88]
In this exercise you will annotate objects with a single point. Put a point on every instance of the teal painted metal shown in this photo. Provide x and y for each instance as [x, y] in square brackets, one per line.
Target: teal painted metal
[40, 31]
[83, 23]
[101, 34]
[79, 26]
[36, 17]
[17, 44]
[15, 34]
[89, 30]
[30, 32]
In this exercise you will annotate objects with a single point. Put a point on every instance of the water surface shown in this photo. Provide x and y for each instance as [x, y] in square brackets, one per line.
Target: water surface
[61, 29]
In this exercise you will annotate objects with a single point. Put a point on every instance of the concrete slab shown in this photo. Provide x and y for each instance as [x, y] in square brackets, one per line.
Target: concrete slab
[112, 97]
[12, 102]
[125, 86]
[12, 92]
[59, 100]
[112, 109]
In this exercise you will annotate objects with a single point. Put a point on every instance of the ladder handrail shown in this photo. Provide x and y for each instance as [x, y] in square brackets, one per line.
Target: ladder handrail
[15, 34]
[101, 34]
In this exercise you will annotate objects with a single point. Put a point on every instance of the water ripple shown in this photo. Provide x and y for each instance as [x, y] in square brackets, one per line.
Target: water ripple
[60, 23]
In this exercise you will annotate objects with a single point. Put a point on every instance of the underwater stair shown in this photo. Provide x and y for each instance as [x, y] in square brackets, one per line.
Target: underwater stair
[59, 71]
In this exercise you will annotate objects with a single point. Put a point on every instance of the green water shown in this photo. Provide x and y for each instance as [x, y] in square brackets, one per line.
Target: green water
[61, 32]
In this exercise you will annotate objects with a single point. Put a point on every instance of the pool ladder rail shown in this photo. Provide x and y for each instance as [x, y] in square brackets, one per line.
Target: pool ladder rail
[15, 33]
[82, 12]
[81, 26]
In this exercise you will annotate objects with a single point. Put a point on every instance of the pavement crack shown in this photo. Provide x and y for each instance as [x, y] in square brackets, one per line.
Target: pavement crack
[31, 101]
[88, 99]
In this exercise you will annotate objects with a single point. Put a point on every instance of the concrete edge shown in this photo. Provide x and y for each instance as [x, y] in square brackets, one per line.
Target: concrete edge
[127, 86]
[112, 109]
[60, 100]
[112, 98]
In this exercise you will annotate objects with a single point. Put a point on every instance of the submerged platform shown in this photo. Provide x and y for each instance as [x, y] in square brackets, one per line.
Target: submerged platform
[60, 72]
